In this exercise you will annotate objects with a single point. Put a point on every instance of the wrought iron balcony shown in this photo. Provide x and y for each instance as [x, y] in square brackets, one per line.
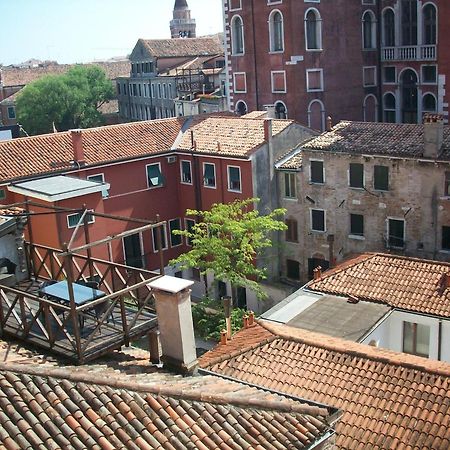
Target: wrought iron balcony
[409, 53]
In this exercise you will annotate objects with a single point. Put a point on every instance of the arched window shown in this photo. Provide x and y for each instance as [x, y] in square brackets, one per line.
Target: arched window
[369, 30]
[370, 108]
[237, 36]
[408, 89]
[280, 110]
[429, 24]
[276, 32]
[429, 103]
[316, 115]
[389, 105]
[389, 28]
[241, 108]
[313, 30]
[409, 22]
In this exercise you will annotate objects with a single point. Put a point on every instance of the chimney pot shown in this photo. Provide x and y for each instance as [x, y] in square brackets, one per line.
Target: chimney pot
[329, 123]
[251, 318]
[223, 337]
[317, 273]
[433, 134]
[245, 318]
[77, 146]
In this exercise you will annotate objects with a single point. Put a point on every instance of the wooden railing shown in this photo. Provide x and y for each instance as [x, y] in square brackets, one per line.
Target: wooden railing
[82, 332]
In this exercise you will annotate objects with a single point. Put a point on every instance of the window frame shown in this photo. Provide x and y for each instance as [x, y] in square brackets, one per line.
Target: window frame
[148, 179]
[230, 189]
[288, 260]
[318, 30]
[312, 221]
[373, 31]
[182, 180]
[11, 109]
[291, 233]
[105, 191]
[350, 176]
[171, 236]
[233, 32]
[90, 221]
[286, 176]
[165, 243]
[414, 337]
[208, 186]
[321, 88]
[380, 189]
[311, 181]
[272, 30]
[445, 249]
[398, 219]
[352, 233]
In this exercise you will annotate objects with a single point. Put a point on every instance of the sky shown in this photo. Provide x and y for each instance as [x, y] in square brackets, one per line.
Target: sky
[71, 31]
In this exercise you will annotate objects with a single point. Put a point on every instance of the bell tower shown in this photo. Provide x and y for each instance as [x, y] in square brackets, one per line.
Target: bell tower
[182, 25]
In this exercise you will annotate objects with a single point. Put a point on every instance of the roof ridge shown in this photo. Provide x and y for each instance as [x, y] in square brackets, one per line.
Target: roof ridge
[351, 348]
[165, 390]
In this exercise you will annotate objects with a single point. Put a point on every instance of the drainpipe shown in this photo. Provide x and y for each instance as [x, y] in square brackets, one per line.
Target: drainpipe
[440, 341]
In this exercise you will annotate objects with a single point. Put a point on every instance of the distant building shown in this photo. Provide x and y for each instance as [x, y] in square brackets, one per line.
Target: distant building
[385, 60]
[182, 25]
[163, 70]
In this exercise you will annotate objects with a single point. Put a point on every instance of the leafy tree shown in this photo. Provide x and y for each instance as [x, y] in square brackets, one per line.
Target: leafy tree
[226, 241]
[71, 100]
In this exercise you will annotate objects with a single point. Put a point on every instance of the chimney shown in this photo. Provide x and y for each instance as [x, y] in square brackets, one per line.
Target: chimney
[329, 123]
[270, 111]
[173, 309]
[77, 146]
[433, 134]
[268, 130]
[317, 273]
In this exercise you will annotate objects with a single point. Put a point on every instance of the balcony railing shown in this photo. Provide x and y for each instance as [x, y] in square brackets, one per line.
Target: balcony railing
[409, 53]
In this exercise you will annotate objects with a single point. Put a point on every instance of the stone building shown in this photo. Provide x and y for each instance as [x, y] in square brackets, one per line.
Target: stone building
[371, 60]
[182, 25]
[366, 187]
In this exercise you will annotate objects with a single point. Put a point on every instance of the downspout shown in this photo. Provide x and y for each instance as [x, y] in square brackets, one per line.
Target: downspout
[254, 56]
[439, 357]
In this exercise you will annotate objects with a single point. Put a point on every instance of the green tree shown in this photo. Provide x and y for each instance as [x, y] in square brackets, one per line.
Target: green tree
[71, 100]
[227, 240]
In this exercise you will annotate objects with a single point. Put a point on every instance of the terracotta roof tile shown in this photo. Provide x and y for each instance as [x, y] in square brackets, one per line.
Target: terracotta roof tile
[383, 394]
[169, 48]
[401, 282]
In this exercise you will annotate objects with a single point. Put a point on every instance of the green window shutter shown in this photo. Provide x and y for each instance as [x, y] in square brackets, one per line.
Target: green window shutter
[154, 175]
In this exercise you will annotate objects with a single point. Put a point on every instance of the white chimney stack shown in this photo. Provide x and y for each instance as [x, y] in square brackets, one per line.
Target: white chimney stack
[433, 134]
[173, 309]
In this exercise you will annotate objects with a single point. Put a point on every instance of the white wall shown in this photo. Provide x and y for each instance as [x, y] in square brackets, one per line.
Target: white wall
[390, 333]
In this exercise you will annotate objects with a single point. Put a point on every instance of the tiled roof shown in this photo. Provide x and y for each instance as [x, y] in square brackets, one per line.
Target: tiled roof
[13, 76]
[35, 155]
[236, 136]
[408, 283]
[255, 115]
[390, 400]
[292, 160]
[99, 407]
[170, 48]
[403, 140]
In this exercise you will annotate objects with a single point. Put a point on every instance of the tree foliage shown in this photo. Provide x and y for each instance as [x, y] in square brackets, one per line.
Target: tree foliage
[227, 239]
[71, 100]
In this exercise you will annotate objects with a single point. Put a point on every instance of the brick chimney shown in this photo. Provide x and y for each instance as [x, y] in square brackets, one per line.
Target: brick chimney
[268, 130]
[329, 123]
[77, 146]
[433, 134]
[173, 309]
[317, 273]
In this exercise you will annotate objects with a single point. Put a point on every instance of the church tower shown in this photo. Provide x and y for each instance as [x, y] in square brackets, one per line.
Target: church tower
[182, 25]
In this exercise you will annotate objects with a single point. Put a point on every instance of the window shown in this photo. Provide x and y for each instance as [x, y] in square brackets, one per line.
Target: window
[186, 172]
[189, 225]
[11, 112]
[428, 103]
[357, 224]
[356, 175]
[155, 232]
[313, 30]
[369, 76]
[175, 239]
[2, 194]
[237, 36]
[154, 175]
[73, 219]
[209, 175]
[118, 89]
[234, 179]
[396, 233]
[429, 24]
[241, 108]
[140, 90]
[408, 88]
[316, 172]
[99, 178]
[196, 275]
[293, 269]
[389, 28]
[240, 82]
[369, 31]
[446, 238]
[292, 230]
[276, 32]
[409, 22]
[389, 108]
[429, 74]
[447, 184]
[280, 110]
[416, 339]
[164, 90]
[278, 81]
[390, 75]
[159, 91]
[153, 90]
[381, 178]
[314, 80]
[318, 220]
[132, 249]
[289, 185]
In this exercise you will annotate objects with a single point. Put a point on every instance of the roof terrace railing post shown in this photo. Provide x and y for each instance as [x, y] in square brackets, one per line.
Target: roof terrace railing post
[159, 238]
[30, 261]
[88, 241]
[73, 307]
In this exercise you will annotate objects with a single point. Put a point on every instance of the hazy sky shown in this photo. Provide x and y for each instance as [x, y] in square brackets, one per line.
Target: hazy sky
[83, 30]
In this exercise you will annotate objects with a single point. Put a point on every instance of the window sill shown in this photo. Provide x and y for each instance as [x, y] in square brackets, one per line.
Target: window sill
[209, 187]
[290, 199]
[314, 49]
[356, 237]
[316, 183]
[356, 188]
[314, 90]
[445, 251]
[381, 190]
[234, 191]
[237, 54]
[186, 183]
[276, 52]
[279, 92]
[156, 187]
[319, 231]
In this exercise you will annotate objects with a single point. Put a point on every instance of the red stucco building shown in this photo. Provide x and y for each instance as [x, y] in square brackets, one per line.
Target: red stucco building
[372, 60]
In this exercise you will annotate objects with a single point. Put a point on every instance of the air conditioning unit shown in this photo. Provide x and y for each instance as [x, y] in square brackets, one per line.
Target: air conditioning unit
[171, 159]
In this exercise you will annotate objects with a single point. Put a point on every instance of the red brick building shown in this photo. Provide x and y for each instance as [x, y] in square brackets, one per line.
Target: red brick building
[373, 60]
